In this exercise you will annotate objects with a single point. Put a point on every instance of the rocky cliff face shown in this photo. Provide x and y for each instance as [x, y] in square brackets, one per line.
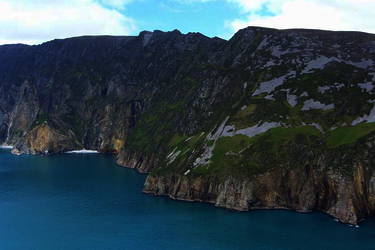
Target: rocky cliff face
[268, 119]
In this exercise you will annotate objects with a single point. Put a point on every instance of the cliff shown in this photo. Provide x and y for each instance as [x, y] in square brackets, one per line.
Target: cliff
[269, 119]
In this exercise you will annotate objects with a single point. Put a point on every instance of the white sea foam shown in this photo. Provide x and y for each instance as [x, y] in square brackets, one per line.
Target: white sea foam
[83, 151]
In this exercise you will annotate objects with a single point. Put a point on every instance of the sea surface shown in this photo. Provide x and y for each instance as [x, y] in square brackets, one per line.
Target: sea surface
[87, 202]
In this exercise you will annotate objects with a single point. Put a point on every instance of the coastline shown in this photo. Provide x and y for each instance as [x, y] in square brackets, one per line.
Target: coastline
[149, 193]
[234, 209]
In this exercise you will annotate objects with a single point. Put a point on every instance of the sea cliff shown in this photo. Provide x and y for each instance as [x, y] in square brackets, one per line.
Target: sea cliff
[271, 119]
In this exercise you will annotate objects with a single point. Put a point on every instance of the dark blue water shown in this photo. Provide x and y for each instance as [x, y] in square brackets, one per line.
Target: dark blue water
[87, 202]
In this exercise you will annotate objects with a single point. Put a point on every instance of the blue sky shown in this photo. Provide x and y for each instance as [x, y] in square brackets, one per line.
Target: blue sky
[207, 18]
[37, 21]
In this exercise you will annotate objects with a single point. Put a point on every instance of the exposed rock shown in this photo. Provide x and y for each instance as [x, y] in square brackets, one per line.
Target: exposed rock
[268, 87]
[312, 104]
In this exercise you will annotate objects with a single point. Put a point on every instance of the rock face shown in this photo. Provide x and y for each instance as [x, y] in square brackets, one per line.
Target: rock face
[267, 120]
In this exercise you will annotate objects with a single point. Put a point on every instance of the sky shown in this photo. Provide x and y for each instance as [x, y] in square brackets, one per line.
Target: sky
[37, 21]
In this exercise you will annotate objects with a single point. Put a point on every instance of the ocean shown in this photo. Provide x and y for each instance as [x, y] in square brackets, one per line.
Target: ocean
[86, 201]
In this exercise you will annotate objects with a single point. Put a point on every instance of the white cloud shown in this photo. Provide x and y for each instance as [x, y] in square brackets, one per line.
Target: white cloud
[314, 14]
[117, 4]
[249, 5]
[193, 1]
[37, 21]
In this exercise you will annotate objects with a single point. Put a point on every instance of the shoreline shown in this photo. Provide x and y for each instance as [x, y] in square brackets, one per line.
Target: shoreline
[252, 209]
[168, 196]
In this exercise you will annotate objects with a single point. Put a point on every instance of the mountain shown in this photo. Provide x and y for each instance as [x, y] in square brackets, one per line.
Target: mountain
[274, 119]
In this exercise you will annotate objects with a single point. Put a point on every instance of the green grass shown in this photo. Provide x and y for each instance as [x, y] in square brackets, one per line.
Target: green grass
[277, 148]
[224, 152]
[259, 153]
[210, 143]
[349, 135]
[176, 140]
[288, 134]
[186, 148]
[240, 119]
[233, 144]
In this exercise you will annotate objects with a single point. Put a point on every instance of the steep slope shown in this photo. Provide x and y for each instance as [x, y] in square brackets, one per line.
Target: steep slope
[269, 119]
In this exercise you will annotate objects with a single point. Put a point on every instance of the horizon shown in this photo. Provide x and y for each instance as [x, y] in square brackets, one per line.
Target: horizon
[42, 20]
[168, 31]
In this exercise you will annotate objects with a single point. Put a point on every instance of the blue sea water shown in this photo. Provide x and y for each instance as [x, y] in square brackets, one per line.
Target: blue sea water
[87, 202]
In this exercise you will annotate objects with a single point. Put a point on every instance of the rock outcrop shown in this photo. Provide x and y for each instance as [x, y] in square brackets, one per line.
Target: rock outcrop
[276, 119]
